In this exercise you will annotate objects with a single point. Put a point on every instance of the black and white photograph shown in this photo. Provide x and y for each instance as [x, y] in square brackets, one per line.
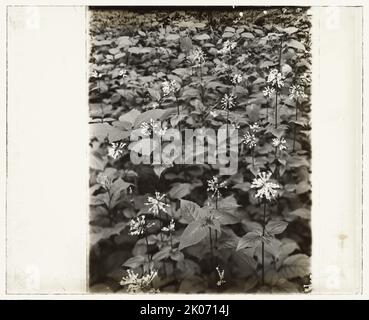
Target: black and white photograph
[200, 150]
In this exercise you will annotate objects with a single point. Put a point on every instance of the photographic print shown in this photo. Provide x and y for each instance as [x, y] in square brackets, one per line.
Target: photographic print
[200, 149]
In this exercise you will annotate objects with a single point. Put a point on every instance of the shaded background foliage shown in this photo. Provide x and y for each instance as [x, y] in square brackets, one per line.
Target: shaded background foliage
[132, 52]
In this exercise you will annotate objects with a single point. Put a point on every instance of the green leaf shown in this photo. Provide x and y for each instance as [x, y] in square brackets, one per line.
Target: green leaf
[97, 162]
[249, 240]
[130, 116]
[276, 227]
[162, 254]
[201, 37]
[227, 35]
[193, 234]
[294, 266]
[135, 262]
[155, 94]
[302, 213]
[192, 285]
[99, 233]
[250, 283]
[244, 186]
[290, 30]
[172, 37]
[302, 187]
[147, 116]
[189, 210]
[295, 44]
[180, 190]
[139, 50]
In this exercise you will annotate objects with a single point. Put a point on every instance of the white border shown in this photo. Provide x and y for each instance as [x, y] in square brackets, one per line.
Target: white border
[179, 296]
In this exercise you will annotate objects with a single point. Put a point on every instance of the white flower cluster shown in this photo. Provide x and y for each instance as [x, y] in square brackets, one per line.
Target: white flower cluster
[254, 127]
[169, 86]
[237, 78]
[96, 74]
[275, 78]
[170, 228]
[221, 276]
[139, 285]
[214, 185]
[249, 139]
[116, 149]
[123, 73]
[104, 180]
[227, 47]
[138, 226]
[228, 101]
[268, 91]
[197, 57]
[297, 92]
[265, 188]
[280, 143]
[154, 127]
[156, 203]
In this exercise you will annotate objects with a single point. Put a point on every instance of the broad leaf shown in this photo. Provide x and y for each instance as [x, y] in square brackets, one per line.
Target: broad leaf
[193, 234]
[294, 266]
[249, 240]
[276, 227]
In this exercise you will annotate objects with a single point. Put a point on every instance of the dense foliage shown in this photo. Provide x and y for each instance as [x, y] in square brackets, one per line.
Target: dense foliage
[183, 227]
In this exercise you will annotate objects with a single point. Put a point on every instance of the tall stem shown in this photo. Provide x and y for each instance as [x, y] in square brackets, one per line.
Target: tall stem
[216, 231]
[276, 109]
[147, 248]
[277, 87]
[211, 249]
[262, 247]
[294, 128]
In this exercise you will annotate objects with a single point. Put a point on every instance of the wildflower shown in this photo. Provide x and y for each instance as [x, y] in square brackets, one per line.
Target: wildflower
[250, 140]
[115, 149]
[241, 14]
[154, 127]
[237, 78]
[197, 57]
[297, 92]
[221, 276]
[275, 78]
[228, 101]
[306, 76]
[227, 47]
[104, 180]
[156, 204]
[96, 74]
[168, 87]
[268, 91]
[170, 228]
[279, 143]
[138, 285]
[214, 113]
[254, 127]
[123, 73]
[265, 188]
[221, 67]
[214, 185]
[138, 226]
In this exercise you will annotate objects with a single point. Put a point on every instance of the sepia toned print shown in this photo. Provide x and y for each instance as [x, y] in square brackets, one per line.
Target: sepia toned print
[200, 150]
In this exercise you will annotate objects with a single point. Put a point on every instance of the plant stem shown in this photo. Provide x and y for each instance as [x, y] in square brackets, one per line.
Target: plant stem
[276, 109]
[294, 129]
[147, 249]
[262, 248]
[276, 89]
[216, 231]
[211, 249]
